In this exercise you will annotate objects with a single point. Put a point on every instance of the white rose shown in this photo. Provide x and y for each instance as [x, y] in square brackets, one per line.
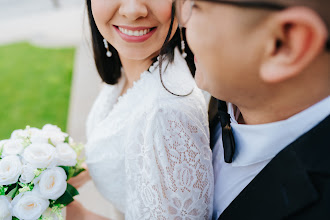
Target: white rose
[56, 138]
[54, 133]
[33, 130]
[38, 136]
[27, 173]
[10, 170]
[51, 128]
[18, 134]
[65, 155]
[13, 147]
[40, 155]
[5, 208]
[52, 183]
[29, 206]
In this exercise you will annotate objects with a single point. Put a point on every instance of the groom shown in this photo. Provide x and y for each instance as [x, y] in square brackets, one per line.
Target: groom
[270, 61]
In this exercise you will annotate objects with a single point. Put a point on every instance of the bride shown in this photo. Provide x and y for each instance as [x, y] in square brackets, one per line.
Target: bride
[148, 140]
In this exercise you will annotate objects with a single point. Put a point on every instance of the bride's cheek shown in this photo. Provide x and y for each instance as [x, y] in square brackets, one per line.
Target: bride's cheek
[163, 12]
[102, 12]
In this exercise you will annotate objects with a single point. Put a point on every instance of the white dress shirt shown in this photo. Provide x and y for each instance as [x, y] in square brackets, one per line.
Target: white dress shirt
[256, 146]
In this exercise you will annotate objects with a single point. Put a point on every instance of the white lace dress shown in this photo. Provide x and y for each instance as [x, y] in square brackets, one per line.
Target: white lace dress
[148, 150]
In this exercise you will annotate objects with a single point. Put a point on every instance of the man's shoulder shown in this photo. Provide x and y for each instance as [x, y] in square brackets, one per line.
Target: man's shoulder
[294, 185]
[313, 148]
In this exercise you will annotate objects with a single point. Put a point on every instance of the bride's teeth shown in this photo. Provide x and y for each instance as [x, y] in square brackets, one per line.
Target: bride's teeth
[134, 33]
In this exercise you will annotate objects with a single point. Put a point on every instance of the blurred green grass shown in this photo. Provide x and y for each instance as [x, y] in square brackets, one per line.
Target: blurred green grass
[34, 86]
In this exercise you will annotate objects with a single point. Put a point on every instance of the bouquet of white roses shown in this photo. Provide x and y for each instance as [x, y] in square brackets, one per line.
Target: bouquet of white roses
[35, 165]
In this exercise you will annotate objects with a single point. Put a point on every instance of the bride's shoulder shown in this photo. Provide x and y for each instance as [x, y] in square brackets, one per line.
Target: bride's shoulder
[188, 108]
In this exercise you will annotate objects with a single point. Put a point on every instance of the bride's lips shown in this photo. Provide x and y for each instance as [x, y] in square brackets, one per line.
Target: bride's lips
[135, 34]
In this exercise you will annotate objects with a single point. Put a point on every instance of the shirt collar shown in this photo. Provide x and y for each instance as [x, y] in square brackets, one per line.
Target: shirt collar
[257, 143]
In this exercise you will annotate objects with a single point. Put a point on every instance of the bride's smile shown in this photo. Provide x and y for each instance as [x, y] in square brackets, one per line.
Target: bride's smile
[136, 29]
[135, 34]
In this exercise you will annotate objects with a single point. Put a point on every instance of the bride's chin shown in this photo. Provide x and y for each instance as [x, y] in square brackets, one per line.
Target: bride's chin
[137, 56]
[138, 53]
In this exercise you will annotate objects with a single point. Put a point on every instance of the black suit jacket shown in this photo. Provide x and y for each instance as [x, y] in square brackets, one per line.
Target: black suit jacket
[294, 185]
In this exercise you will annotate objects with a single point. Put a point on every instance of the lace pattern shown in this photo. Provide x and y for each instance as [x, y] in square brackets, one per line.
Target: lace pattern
[170, 176]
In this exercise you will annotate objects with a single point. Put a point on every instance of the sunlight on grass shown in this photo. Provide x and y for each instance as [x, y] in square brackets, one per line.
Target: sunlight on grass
[34, 86]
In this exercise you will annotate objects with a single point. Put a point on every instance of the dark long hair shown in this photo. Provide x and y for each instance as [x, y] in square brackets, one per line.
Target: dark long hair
[110, 69]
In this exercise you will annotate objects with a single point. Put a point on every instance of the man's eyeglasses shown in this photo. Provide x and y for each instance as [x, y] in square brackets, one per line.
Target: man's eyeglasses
[184, 9]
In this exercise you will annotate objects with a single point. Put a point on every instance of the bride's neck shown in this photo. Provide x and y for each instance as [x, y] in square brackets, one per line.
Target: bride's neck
[134, 68]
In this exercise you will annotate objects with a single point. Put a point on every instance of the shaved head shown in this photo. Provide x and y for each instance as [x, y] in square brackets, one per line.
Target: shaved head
[322, 7]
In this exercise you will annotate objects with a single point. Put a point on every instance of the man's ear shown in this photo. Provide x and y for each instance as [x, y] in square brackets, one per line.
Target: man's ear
[298, 36]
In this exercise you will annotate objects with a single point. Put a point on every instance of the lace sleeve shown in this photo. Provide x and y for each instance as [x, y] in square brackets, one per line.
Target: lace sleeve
[172, 177]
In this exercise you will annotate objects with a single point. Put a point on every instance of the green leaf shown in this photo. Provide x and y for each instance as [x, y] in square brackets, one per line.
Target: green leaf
[65, 199]
[3, 190]
[50, 142]
[68, 195]
[70, 171]
[13, 192]
[73, 191]
[66, 139]
[78, 171]
[66, 169]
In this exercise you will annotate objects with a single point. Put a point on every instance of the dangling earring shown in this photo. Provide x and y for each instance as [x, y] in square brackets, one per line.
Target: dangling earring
[106, 45]
[183, 45]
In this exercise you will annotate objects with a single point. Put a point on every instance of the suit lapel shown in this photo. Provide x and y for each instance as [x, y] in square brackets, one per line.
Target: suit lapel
[284, 186]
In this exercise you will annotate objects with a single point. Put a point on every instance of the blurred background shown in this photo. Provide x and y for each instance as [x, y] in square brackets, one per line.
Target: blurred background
[47, 74]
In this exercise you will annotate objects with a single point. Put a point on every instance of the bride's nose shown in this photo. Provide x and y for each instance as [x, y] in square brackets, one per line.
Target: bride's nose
[133, 9]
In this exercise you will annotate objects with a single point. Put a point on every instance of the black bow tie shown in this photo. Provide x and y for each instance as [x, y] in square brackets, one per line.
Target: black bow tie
[227, 133]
